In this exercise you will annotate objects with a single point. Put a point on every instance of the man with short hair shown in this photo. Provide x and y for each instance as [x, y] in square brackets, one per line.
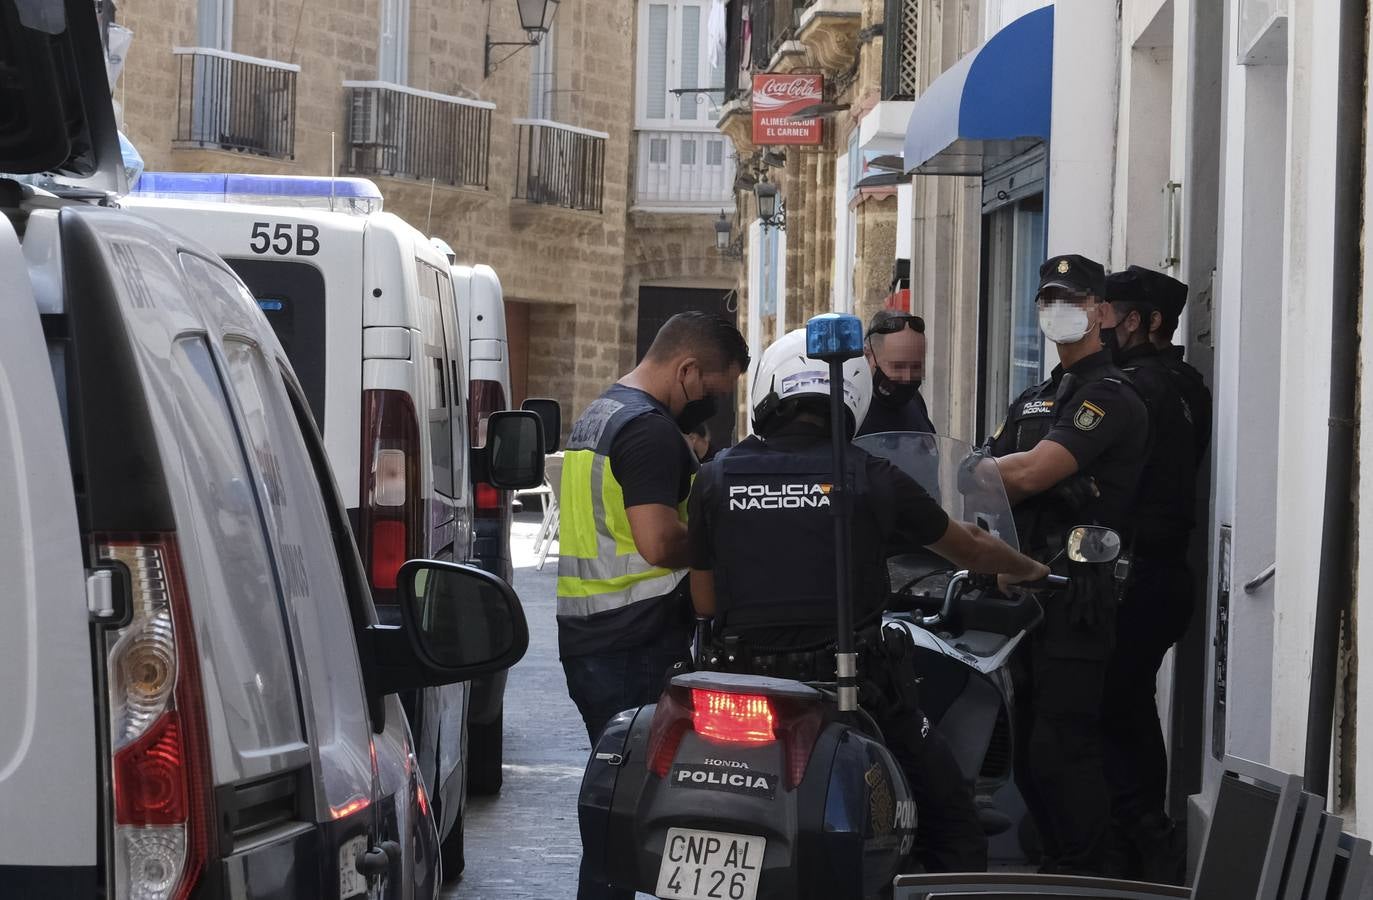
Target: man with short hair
[1157, 604]
[895, 350]
[623, 608]
[698, 439]
[1170, 299]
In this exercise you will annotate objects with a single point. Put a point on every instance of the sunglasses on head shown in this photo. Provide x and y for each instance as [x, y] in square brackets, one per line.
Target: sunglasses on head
[895, 323]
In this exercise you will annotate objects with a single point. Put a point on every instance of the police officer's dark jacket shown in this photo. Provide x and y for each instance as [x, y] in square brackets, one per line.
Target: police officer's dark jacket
[1196, 393]
[760, 518]
[1164, 513]
[1093, 412]
[883, 417]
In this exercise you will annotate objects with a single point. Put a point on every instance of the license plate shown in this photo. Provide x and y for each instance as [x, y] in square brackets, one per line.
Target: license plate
[710, 865]
[351, 882]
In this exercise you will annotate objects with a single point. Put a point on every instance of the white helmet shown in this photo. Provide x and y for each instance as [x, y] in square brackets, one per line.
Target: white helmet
[784, 372]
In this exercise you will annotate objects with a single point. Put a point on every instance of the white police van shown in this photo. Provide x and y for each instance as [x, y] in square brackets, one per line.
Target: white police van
[199, 693]
[481, 315]
[365, 308]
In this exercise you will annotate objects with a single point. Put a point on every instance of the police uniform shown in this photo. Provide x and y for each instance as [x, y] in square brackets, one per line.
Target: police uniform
[1157, 604]
[1093, 411]
[760, 520]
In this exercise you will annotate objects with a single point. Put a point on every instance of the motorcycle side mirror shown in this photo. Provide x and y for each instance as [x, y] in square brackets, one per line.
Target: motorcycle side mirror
[1093, 544]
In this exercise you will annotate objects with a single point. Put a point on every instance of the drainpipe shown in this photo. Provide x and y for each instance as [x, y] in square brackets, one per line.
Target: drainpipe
[1334, 586]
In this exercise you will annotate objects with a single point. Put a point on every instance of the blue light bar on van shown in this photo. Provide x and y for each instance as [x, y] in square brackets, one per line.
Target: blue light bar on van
[271, 305]
[351, 195]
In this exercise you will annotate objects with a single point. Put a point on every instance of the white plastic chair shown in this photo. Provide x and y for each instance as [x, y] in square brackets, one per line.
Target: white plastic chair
[548, 529]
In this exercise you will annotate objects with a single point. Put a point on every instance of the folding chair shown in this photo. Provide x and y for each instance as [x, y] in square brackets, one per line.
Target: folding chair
[1341, 865]
[1243, 858]
[548, 530]
[1301, 853]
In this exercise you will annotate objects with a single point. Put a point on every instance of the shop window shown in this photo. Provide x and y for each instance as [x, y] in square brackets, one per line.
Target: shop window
[1013, 246]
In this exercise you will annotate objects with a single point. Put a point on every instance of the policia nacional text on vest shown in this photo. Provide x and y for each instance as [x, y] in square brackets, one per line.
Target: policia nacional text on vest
[609, 596]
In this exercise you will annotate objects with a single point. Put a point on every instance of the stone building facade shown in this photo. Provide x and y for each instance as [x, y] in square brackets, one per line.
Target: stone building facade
[571, 276]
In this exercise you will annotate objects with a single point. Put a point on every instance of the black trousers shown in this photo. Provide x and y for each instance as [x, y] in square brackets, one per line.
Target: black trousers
[1060, 766]
[948, 833]
[1152, 618]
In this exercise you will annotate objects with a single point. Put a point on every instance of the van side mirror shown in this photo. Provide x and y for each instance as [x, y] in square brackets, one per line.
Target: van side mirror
[1093, 544]
[457, 623]
[550, 412]
[512, 459]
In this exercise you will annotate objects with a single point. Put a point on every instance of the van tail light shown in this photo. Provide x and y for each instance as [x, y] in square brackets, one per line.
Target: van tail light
[734, 719]
[163, 811]
[485, 397]
[391, 521]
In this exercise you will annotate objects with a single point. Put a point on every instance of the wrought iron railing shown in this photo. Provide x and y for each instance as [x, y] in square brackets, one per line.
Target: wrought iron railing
[900, 48]
[402, 132]
[558, 165]
[227, 101]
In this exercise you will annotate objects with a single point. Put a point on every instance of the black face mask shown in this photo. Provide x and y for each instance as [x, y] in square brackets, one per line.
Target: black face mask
[696, 412]
[1111, 342]
[895, 393]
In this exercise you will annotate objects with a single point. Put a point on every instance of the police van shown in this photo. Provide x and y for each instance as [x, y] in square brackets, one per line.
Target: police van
[365, 309]
[481, 314]
[200, 695]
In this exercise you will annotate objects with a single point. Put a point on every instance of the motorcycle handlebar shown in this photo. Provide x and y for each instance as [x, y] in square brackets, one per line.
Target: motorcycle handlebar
[1047, 583]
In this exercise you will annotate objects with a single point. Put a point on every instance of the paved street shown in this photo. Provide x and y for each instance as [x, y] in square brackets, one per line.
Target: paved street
[524, 843]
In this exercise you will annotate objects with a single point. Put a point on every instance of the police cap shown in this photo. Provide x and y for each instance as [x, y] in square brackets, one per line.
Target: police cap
[1074, 273]
[1167, 295]
[1130, 288]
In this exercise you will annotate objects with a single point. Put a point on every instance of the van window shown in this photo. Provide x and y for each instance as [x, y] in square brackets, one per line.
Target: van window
[457, 391]
[241, 625]
[308, 570]
[291, 294]
[437, 360]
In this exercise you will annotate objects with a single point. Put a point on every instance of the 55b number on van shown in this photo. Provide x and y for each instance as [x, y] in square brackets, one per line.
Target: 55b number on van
[284, 239]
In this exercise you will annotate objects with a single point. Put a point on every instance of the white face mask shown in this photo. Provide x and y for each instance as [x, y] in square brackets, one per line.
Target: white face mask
[1063, 323]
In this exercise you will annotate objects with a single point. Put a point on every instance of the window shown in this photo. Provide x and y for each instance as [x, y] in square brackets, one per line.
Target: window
[214, 23]
[292, 296]
[1013, 247]
[241, 622]
[308, 570]
[393, 51]
[715, 153]
[674, 54]
[543, 79]
[437, 366]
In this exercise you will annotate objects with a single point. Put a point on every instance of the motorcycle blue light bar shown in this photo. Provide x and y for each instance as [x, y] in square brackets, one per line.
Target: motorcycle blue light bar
[834, 336]
[341, 194]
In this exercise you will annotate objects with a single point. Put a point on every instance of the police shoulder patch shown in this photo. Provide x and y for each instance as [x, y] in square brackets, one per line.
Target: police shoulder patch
[1089, 416]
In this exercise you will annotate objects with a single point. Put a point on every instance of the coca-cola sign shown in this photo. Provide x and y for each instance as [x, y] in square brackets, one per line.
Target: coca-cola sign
[776, 98]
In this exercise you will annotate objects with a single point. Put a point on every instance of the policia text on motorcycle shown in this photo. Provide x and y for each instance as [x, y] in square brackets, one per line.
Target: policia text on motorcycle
[765, 501]
[1071, 451]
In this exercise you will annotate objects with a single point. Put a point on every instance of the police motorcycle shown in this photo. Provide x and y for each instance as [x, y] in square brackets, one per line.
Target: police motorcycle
[739, 787]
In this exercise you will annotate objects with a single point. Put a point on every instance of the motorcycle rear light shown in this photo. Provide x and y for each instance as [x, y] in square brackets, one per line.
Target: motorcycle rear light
[671, 721]
[163, 813]
[388, 552]
[733, 718]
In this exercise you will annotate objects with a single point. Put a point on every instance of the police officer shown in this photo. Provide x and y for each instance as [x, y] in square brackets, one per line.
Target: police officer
[1158, 601]
[1170, 295]
[762, 563]
[1070, 452]
[895, 350]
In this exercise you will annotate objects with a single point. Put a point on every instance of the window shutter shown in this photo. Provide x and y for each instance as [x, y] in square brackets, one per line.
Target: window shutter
[655, 106]
[690, 69]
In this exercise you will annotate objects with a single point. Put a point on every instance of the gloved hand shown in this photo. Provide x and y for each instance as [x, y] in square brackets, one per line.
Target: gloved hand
[972, 477]
[1076, 491]
[1091, 595]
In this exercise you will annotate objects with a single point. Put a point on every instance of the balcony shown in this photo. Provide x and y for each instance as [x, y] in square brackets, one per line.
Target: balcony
[401, 132]
[683, 170]
[559, 165]
[227, 101]
[828, 32]
[900, 44]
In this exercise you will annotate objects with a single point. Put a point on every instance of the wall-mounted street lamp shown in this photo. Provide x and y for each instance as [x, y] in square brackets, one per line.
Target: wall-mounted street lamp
[536, 17]
[772, 212]
[727, 246]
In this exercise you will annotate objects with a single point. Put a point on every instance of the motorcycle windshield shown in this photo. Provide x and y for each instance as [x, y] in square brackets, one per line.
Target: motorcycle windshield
[976, 496]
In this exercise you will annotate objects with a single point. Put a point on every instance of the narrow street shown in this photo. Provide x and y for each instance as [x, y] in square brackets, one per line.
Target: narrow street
[524, 843]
